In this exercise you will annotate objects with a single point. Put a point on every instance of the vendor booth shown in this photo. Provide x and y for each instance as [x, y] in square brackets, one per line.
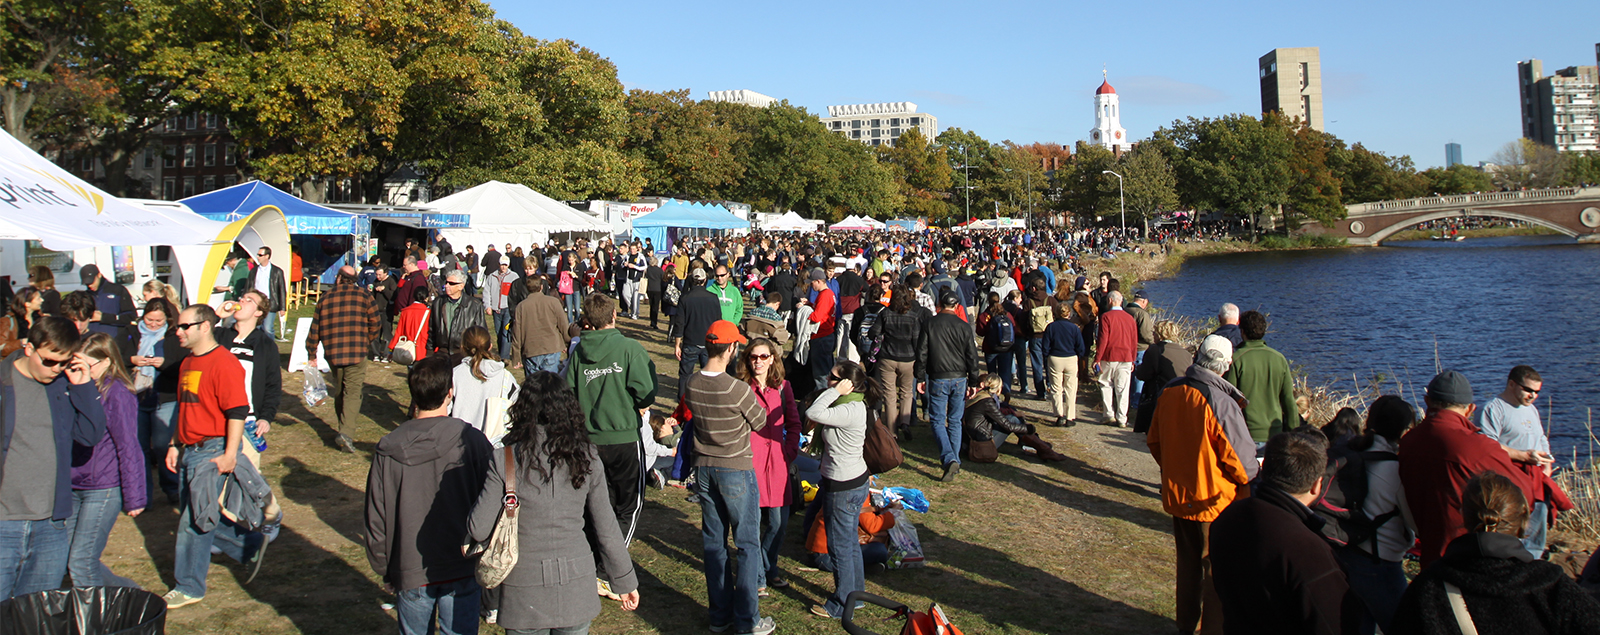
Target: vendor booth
[676, 220]
[851, 224]
[325, 237]
[512, 213]
[790, 222]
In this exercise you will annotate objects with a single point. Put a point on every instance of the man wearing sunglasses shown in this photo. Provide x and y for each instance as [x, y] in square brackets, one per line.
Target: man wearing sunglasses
[44, 415]
[728, 296]
[1511, 419]
[268, 278]
[453, 313]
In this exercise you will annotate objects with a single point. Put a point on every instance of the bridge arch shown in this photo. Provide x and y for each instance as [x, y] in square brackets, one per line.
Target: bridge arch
[1383, 234]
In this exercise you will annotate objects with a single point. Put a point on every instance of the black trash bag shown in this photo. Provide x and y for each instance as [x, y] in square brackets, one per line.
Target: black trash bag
[85, 611]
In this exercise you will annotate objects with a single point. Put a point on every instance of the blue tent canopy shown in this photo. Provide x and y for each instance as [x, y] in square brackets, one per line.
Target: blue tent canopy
[683, 215]
[240, 201]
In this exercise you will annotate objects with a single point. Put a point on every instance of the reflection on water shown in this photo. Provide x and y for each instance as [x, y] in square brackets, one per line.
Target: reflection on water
[1480, 306]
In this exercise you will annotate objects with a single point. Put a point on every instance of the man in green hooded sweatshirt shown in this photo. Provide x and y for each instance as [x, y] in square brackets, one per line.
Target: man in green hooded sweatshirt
[613, 379]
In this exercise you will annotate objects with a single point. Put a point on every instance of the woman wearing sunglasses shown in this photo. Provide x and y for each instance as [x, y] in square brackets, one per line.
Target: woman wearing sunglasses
[841, 411]
[773, 449]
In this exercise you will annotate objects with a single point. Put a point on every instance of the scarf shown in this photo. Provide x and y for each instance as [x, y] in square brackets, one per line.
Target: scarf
[149, 346]
[850, 398]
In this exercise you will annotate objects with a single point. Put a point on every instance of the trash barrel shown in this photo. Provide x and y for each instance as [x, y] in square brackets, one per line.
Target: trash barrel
[85, 611]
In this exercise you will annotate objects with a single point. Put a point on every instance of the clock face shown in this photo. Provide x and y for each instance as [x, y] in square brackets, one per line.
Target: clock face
[1119, 134]
[1096, 134]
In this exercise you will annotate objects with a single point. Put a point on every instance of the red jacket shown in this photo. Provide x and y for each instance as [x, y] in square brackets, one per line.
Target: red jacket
[822, 314]
[1119, 337]
[413, 325]
[1437, 458]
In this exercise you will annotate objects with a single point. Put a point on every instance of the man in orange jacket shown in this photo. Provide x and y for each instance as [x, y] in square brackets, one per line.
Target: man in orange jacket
[1199, 438]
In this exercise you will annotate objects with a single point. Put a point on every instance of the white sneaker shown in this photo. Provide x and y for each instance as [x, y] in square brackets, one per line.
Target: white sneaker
[177, 599]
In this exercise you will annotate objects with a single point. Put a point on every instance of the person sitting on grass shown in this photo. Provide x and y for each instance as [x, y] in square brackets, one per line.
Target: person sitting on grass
[989, 421]
[872, 532]
[660, 436]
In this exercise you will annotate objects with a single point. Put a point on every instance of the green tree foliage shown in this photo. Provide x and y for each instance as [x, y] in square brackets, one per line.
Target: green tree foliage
[1150, 184]
[1582, 169]
[1367, 175]
[1085, 189]
[971, 167]
[922, 173]
[1314, 190]
[685, 148]
[793, 162]
[1236, 163]
[1457, 179]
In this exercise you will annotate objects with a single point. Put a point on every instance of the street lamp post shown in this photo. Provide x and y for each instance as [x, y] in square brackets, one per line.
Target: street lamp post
[1122, 201]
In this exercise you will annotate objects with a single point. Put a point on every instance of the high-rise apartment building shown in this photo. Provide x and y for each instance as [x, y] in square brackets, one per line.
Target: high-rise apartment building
[1291, 83]
[880, 124]
[1452, 155]
[742, 96]
[1562, 109]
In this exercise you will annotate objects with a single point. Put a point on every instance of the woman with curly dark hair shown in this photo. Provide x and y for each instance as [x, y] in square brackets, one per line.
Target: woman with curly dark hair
[558, 479]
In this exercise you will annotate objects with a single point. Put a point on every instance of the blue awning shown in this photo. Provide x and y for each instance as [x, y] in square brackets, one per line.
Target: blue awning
[240, 201]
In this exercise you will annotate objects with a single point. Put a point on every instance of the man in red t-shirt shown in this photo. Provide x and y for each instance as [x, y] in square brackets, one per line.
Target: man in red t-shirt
[1119, 341]
[212, 404]
[825, 341]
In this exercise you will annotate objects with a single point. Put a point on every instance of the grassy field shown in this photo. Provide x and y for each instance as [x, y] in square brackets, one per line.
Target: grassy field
[1019, 546]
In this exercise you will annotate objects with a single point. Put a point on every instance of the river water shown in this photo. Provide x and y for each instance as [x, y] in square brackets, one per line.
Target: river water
[1479, 306]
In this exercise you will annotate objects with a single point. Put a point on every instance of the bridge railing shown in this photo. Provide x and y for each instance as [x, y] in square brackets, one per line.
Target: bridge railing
[1376, 207]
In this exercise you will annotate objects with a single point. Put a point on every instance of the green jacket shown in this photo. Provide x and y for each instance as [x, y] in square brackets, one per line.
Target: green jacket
[1262, 374]
[730, 298]
[613, 378]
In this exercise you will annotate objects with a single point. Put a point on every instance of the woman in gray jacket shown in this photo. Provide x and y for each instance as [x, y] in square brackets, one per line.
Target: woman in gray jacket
[841, 411]
[558, 479]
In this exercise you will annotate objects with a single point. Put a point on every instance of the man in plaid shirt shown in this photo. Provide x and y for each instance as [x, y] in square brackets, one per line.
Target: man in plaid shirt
[346, 319]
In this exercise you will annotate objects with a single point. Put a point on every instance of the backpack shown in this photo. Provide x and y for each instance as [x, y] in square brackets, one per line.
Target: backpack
[881, 451]
[1002, 333]
[1040, 318]
[1343, 497]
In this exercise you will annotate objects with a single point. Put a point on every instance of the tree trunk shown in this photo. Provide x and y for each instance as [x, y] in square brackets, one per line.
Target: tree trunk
[116, 162]
[314, 190]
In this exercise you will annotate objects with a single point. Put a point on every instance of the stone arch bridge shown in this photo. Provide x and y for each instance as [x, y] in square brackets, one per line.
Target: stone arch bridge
[1573, 211]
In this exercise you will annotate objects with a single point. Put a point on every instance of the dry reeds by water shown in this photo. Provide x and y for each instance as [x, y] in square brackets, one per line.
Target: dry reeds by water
[1581, 481]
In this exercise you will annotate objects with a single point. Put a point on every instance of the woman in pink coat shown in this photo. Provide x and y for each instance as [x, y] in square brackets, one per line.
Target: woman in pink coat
[774, 448]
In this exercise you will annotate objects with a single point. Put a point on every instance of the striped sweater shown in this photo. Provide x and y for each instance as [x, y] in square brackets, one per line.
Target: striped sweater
[725, 411]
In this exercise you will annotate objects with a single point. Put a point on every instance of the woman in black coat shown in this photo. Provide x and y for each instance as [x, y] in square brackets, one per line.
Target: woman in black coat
[653, 288]
[1504, 589]
[1165, 361]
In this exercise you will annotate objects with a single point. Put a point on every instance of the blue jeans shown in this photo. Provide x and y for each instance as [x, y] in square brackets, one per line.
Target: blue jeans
[581, 629]
[574, 302]
[693, 356]
[1019, 351]
[843, 513]
[155, 434]
[730, 505]
[871, 553]
[94, 512]
[550, 362]
[1379, 584]
[1138, 384]
[821, 360]
[774, 521]
[269, 323]
[193, 557]
[1533, 538]
[455, 604]
[502, 331]
[1036, 354]
[1001, 364]
[33, 555]
[947, 403]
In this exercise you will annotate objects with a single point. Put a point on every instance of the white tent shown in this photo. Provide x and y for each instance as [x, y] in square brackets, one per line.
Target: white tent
[39, 200]
[875, 223]
[510, 213]
[851, 223]
[790, 222]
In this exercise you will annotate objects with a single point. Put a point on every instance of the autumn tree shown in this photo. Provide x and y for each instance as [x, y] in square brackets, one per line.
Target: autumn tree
[1367, 175]
[684, 147]
[922, 173]
[1233, 163]
[1314, 189]
[1456, 179]
[1526, 163]
[1150, 185]
[793, 162]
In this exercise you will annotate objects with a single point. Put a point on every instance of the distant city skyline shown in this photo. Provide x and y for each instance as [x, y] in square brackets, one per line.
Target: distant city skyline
[1009, 72]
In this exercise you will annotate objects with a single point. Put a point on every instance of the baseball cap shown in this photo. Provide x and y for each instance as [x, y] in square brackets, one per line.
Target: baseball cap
[724, 332]
[699, 273]
[817, 274]
[1217, 343]
[88, 273]
[949, 298]
[1141, 295]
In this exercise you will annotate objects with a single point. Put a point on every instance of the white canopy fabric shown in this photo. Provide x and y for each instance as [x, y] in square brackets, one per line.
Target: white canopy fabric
[791, 222]
[39, 200]
[875, 223]
[851, 223]
[511, 213]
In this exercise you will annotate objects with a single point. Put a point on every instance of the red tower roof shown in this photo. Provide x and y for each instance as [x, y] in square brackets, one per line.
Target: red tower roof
[1105, 89]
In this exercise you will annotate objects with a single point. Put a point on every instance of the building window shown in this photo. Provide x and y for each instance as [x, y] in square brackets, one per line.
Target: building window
[188, 156]
[86, 163]
[169, 158]
[210, 183]
[855, 124]
[211, 154]
[894, 121]
[877, 122]
[894, 133]
[172, 124]
[916, 121]
[230, 154]
[1305, 107]
[169, 186]
[874, 141]
[230, 180]
[836, 125]
[877, 132]
[149, 157]
[211, 120]
[855, 134]
[188, 186]
[189, 121]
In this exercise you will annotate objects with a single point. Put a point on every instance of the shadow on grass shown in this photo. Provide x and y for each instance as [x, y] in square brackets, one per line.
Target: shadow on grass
[1060, 493]
[1017, 594]
[315, 588]
[336, 504]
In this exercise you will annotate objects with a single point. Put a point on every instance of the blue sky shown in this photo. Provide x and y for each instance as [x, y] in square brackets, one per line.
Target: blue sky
[1403, 78]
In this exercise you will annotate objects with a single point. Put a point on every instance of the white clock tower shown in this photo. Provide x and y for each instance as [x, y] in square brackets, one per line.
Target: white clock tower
[1108, 132]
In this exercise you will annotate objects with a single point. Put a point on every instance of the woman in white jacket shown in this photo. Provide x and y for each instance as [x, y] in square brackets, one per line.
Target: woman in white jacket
[841, 412]
[484, 388]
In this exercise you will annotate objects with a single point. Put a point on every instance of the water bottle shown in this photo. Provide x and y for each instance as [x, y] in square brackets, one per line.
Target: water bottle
[250, 433]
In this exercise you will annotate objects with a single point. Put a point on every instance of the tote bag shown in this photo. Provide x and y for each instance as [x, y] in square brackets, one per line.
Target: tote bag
[500, 556]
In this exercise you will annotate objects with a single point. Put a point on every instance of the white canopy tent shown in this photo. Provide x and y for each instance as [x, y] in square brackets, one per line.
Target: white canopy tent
[851, 223]
[790, 222]
[511, 213]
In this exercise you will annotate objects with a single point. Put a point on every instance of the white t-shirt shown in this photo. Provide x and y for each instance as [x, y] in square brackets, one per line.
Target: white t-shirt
[1516, 427]
[264, 280]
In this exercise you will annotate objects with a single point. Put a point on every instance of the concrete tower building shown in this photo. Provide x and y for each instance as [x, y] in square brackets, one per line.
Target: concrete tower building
[1291, 83]
[1562, 109]
[1108, 132]
[880, 124]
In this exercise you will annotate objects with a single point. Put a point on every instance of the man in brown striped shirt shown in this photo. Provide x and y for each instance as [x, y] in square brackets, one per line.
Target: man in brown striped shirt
[346, 319]
[725, 411]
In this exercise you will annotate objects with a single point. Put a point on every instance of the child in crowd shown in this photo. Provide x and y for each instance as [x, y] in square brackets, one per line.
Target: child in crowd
[660, 435]
[872, 531]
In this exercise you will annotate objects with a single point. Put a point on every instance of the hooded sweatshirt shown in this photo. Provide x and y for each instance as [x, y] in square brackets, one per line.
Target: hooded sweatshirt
[613, 378]
[415, 532]
[472, 396]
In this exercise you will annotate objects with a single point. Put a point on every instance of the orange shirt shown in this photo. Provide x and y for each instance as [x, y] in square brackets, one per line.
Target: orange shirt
[871, 523]
[296, 270]
[208, 386]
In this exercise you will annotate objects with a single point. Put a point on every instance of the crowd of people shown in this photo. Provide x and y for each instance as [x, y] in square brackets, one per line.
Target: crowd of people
[790, 352]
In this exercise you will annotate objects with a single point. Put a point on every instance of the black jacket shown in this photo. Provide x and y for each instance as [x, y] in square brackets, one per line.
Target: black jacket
[983, 417]
[1505, 589]
[783, 283]
[266, 373]
[1163, 362]
[951, 352]
[116, 308]
[383, 294]
[652, 276]
[275, 282]
[172, 355]
[904, 334]
[697, 309]
[466, 313]
[1275, 573]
